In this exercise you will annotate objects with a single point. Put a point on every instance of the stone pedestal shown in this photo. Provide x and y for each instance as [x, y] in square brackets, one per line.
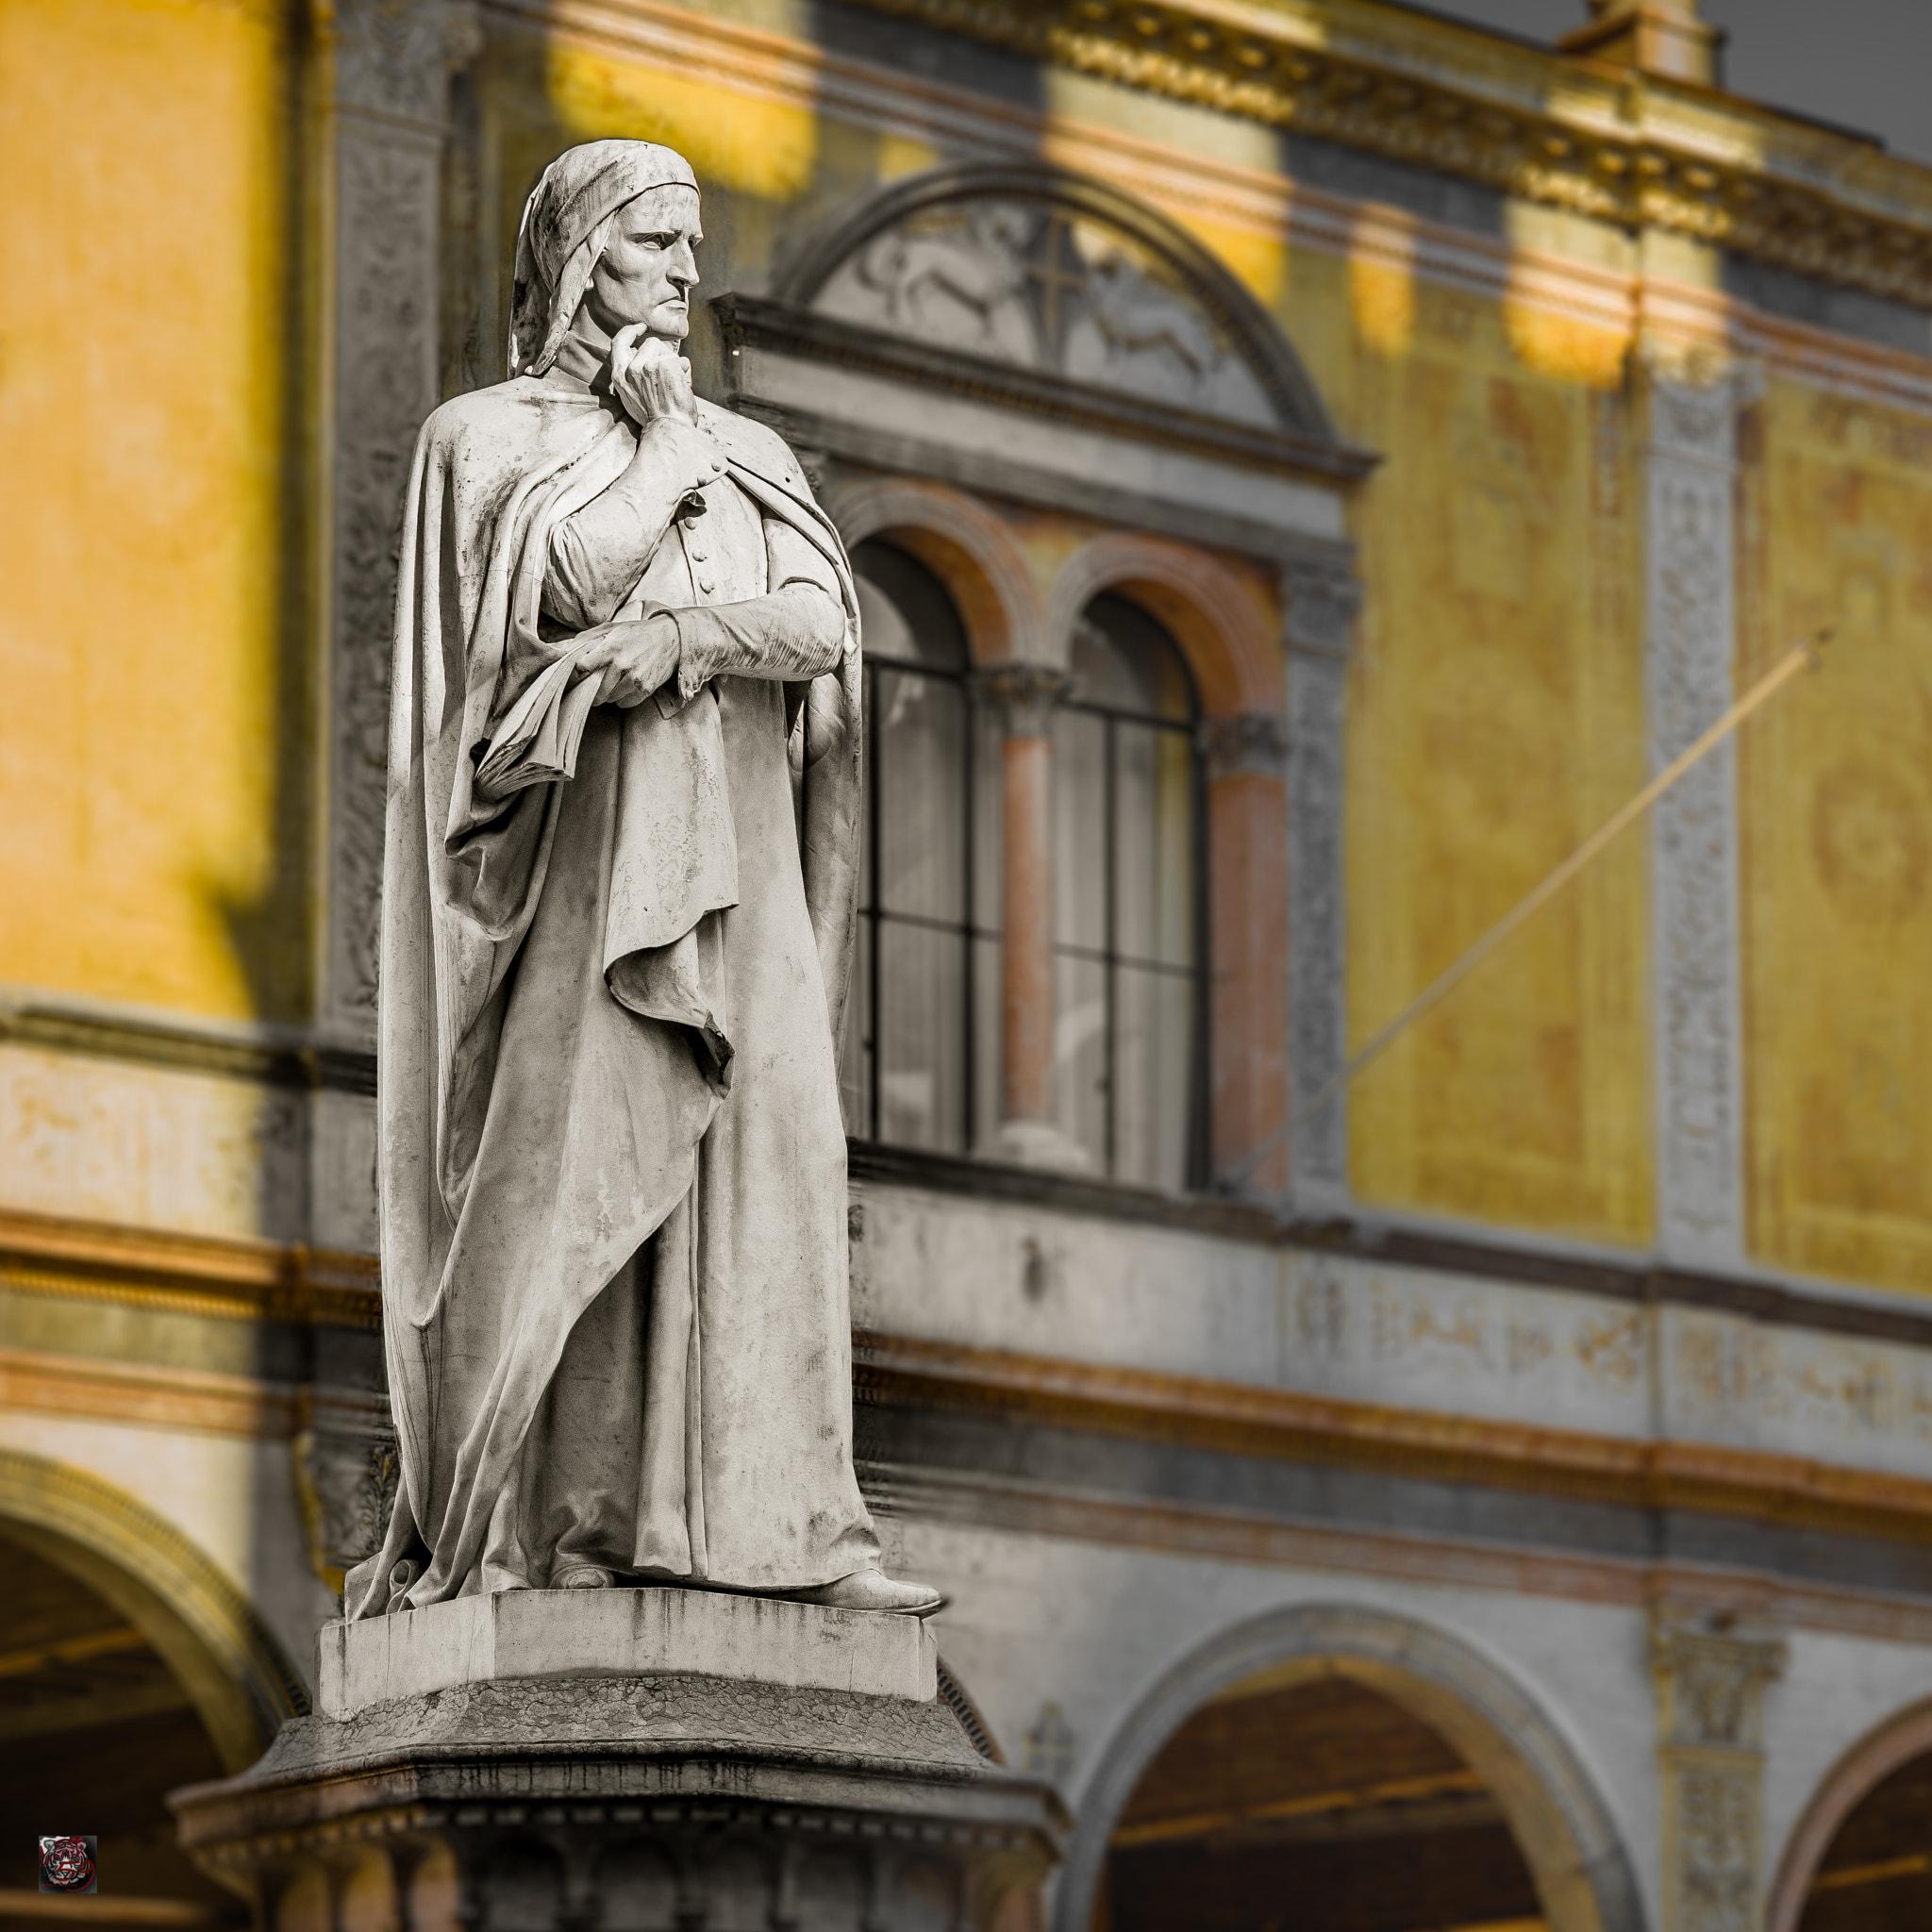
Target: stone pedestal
[625, 1760]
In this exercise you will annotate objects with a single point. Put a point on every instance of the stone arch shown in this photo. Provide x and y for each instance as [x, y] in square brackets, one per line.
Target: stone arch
[1234, 656]
[967, 548]
[230, 1665]
[1567, 1837]
[1900, 1738]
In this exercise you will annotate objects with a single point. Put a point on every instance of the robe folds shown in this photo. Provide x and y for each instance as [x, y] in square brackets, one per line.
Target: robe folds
[612, 1163]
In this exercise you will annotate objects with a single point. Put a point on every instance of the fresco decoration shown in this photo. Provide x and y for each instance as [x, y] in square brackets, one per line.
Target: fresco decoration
[1836, 809]
[1495, 721]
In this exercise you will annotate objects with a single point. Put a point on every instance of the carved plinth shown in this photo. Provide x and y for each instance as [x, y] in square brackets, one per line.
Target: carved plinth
[621, 1795]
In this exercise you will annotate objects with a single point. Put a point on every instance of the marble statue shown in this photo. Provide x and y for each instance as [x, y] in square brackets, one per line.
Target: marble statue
[619, 892]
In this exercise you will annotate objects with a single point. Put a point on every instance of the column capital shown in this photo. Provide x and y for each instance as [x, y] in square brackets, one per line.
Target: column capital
[1251, 743]
[1025, 693]
[1712, 1673]
[1322, 599]
[1693, 394]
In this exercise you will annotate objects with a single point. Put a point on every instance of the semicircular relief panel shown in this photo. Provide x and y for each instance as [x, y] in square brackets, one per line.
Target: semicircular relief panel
[1043, 285]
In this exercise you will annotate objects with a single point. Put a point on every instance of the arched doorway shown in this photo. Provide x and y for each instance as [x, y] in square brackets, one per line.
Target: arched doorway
[1876, 1872]
[164, 1586]
[1860, 1859]
[1321, 1806]
[1410, 1717]
[95, 1729]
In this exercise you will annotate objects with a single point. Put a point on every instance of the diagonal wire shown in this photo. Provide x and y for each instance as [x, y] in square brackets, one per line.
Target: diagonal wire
[1801, 658]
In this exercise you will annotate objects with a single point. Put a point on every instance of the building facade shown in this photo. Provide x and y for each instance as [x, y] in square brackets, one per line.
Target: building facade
[1309, 465]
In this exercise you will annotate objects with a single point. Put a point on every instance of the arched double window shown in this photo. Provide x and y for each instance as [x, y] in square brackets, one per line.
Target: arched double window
[1130, 1020]
[920, 1062]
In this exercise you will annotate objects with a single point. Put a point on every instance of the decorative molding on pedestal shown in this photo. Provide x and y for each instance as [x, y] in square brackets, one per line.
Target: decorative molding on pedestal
[1321, 611]
[1690, 644]
[393, 59]
[1712, 1674]
[631, 1757]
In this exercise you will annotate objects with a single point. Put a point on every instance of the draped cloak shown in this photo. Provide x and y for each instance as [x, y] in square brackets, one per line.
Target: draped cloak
[589, 1163]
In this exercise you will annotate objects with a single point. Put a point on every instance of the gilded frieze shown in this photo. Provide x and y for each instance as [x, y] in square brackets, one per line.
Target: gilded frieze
[1609, 146]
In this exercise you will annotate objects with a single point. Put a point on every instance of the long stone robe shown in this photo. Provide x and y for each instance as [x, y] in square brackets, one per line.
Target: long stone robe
[612, 1161]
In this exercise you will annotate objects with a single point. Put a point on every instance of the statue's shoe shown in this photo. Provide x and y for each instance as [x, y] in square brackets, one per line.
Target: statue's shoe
[873, 1589]
[583, 1576]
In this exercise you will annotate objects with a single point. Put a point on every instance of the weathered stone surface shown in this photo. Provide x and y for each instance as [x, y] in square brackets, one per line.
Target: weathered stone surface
[621, 1633]
[640, 1801]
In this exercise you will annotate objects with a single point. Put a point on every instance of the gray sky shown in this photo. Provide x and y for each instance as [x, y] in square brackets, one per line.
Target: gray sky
[1863, 63]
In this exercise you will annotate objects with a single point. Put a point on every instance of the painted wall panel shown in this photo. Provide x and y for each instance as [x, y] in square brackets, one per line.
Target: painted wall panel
[1836, 797]
[148, 771]
[1496, 720]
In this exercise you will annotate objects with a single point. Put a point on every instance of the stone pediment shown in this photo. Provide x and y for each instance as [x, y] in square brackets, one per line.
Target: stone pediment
[1045, 287]
[1063, 280]
[1041, 337]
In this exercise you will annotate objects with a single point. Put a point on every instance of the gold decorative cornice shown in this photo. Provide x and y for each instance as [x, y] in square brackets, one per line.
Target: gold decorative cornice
[1590, 137]
[184, 1273]
[200, 1400]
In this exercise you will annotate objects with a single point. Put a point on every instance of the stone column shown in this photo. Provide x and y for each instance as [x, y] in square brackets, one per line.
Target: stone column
[389, 64]
[1027, 1132]
[1247, 842]
[392, 63]
[1322, 599]
[1690, 647]
[1711, 1673]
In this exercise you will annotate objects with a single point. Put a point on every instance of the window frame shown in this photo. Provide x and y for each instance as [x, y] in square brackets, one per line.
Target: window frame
[873, 915]
[1197, 1165]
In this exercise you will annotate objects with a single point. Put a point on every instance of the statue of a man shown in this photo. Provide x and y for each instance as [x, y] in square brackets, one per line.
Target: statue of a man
[619, 890]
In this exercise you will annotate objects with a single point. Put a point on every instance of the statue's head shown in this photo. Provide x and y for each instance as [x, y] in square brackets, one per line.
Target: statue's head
[611, 228]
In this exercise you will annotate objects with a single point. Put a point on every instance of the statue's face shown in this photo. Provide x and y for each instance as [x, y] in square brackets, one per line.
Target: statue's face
[649, 265]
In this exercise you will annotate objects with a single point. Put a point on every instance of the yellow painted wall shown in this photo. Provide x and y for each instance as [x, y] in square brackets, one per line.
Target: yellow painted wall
[1835, 808]
[1496, 720]
[153, 825]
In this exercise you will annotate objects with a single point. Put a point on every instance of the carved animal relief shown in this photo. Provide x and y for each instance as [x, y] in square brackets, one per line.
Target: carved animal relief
[1049, 288]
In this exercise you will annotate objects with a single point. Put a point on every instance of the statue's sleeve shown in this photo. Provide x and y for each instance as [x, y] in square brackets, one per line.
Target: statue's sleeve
[794, 633]
[596, 557]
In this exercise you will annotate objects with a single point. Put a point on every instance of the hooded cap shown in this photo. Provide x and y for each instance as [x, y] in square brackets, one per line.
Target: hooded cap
[565, 226]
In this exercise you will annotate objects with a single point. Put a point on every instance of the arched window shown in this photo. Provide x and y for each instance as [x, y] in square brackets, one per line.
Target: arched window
[1130, 1022]
[922, 1029]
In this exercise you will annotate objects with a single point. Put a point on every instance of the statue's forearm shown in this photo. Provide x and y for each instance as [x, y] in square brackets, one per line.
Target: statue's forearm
[794, 633]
